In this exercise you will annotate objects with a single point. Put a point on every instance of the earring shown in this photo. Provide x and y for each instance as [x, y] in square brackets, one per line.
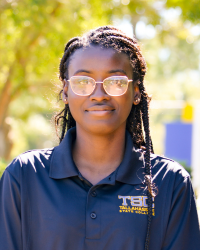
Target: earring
[65, 99]
[137, 100]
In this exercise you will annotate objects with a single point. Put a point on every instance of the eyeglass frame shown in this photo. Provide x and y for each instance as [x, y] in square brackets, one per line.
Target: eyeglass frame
[128, 80]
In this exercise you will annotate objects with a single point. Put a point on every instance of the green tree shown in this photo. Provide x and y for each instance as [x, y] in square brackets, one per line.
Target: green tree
[33, 34]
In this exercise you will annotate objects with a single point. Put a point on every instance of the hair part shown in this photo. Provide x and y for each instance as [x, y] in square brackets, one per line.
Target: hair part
[138, 119]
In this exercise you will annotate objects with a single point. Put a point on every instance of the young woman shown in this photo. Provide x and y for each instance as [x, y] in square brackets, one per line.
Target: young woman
[102, 188]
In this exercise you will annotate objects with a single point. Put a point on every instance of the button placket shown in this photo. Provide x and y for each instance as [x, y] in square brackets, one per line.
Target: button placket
[94, 194]
[93, 215]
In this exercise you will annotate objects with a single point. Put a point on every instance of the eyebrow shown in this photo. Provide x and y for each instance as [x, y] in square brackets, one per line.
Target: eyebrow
[118, 70]
[111, 71]
[82, 70]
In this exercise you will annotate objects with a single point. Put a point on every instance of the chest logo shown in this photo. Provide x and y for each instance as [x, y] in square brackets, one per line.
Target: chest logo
[135, 204]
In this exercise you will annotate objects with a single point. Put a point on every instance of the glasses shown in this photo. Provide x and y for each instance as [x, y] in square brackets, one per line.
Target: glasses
[113, 86]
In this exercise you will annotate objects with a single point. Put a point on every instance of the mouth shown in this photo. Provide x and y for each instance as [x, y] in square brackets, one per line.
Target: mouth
[100, 110]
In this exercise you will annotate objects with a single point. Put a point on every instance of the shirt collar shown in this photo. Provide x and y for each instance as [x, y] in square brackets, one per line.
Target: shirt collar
[130, 171]
[62, 164]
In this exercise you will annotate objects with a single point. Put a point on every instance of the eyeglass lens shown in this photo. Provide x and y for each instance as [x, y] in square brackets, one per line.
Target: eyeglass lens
[114, 86]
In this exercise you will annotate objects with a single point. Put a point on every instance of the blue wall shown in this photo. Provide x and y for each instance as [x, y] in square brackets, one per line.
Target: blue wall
[178, 141]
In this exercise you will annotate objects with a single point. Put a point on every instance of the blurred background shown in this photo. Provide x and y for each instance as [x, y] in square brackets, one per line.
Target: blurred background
[32, 38]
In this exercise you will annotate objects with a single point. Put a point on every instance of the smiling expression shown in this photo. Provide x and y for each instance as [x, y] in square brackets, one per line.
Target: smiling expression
[99, 112]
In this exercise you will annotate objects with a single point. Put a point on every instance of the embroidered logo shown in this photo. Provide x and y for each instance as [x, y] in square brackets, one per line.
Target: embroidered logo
[135, 204]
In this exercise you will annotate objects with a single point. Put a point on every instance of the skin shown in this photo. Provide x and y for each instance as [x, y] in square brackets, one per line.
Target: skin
[100, 118]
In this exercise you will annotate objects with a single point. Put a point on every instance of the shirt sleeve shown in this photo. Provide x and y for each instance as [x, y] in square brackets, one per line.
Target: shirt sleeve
[10, 213]
[183, 226]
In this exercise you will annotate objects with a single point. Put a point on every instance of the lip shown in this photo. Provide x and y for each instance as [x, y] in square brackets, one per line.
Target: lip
[100, 113]
[100, 108]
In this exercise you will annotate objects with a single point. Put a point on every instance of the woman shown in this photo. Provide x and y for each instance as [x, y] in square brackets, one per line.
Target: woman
[102, 187]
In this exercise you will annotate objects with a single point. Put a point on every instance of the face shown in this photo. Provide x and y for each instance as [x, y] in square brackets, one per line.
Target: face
[100, 113]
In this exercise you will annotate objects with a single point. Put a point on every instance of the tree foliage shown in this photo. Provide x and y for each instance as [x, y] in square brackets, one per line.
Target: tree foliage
[190, 9]
[33, 34]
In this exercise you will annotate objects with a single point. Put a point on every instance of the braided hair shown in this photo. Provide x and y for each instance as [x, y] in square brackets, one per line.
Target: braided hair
[138, 119]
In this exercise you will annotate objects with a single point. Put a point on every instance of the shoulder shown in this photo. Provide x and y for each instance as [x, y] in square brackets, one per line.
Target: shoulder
[168, 165]
[29, 161]
[34, 155]
[165, 169]
[174, 205]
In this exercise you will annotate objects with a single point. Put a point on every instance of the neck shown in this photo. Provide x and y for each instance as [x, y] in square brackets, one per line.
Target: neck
[97, 156]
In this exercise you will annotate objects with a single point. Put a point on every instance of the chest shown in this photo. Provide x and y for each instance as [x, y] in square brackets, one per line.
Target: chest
[68, 212]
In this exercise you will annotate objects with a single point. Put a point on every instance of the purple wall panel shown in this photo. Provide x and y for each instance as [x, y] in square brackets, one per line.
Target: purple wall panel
[178, 141]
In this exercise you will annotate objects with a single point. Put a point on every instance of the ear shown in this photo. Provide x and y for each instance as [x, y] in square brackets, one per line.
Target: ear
[65, 91]
[136, 94]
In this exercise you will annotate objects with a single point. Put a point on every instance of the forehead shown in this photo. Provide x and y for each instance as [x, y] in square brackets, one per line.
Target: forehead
[97, 59]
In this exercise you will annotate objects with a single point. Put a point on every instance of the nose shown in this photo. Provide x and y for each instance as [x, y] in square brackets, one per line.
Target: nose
[99, 93]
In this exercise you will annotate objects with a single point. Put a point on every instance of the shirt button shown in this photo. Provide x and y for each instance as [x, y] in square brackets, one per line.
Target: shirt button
[93, 215]
[80, 177]
[94, 194]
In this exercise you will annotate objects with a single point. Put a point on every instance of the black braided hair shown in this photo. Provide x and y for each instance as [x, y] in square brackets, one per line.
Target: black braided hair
[111, 37]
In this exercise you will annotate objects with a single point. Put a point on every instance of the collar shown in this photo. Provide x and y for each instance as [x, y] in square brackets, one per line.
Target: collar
[130, 171]
[62, 164]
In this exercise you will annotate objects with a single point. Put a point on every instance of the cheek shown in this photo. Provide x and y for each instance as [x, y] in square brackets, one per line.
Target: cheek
[129, 97]
[126, 103]
[75, 105]
[127, 109]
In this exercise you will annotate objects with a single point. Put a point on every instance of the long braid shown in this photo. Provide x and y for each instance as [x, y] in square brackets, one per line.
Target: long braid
[67, 119]
[148, 181]
[110, 37]
[64, 122]
[134, 126]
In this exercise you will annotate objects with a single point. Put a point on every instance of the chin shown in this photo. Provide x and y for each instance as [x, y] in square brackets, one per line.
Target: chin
[104, 128]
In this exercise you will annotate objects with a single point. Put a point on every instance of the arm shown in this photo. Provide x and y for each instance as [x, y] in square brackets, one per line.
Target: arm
[183, 227]
[10, 213]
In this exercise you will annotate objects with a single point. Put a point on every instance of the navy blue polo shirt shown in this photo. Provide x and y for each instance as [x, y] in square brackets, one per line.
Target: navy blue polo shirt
[45, 204]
